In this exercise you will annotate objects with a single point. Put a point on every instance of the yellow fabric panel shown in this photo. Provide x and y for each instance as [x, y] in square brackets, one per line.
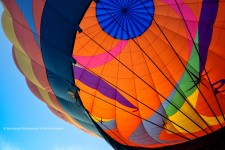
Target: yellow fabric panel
[213, 120]
[7, 25]
[46, 97]
[193, 98]
[26, 67]
[186, 123]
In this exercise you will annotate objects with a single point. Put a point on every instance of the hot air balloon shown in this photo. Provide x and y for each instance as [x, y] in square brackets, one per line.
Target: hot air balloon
[141, 74]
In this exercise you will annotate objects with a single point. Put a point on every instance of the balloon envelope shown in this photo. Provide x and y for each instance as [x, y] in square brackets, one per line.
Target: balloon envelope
[139, 73]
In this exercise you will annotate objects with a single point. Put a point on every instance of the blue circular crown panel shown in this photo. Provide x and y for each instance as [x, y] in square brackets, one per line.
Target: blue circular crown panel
[125, 19]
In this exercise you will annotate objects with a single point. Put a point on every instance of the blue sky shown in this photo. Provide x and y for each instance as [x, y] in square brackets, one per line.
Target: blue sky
[20, 110]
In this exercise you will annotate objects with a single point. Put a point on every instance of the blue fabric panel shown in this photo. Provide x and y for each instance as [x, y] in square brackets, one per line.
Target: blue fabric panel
[60, 20]
[26, 7]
